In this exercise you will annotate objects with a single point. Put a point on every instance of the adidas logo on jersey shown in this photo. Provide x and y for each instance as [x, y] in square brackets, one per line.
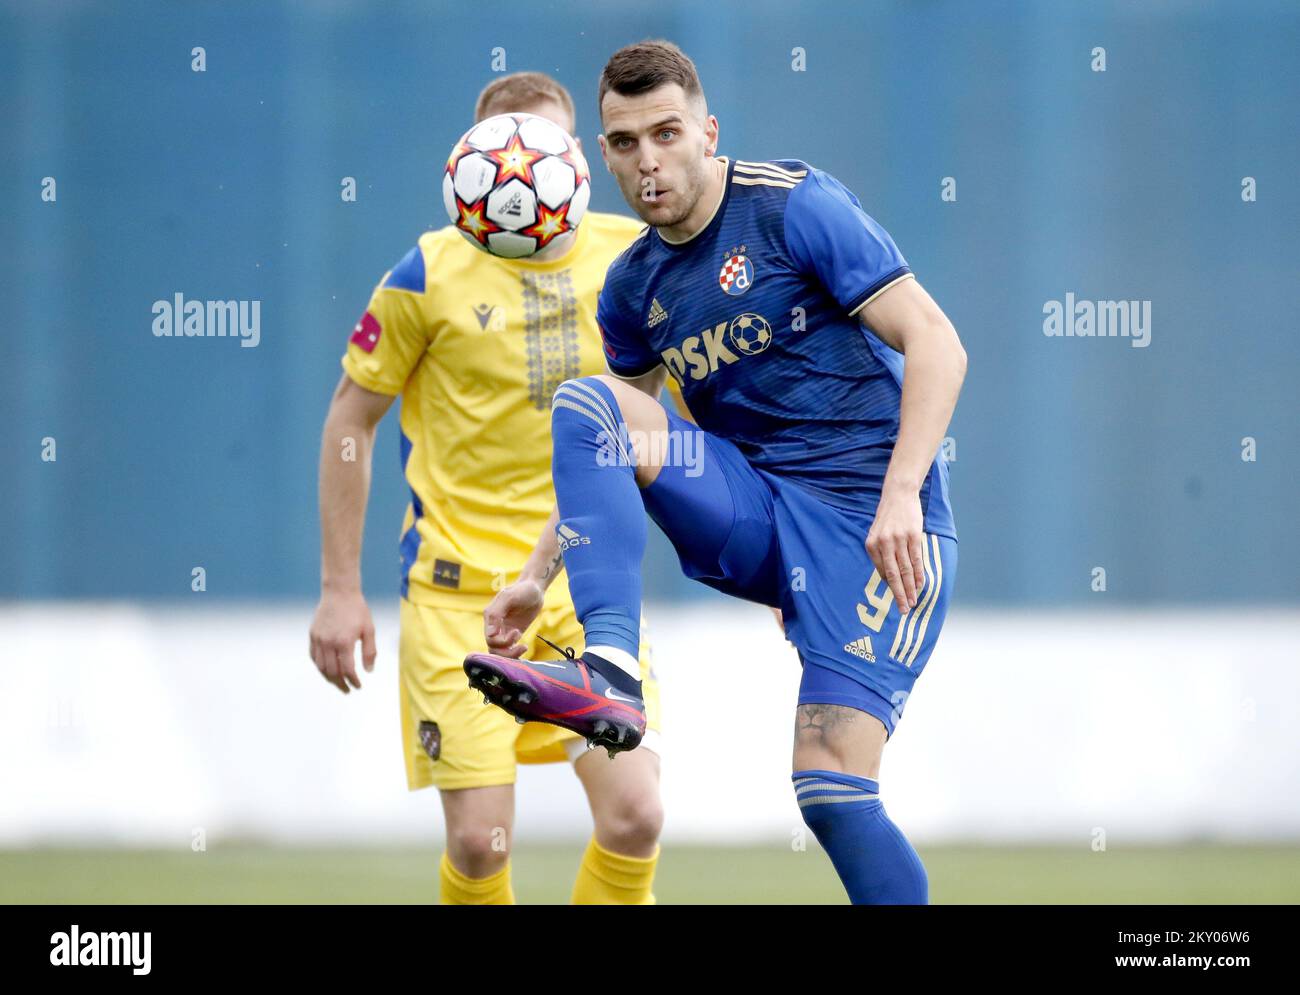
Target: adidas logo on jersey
[569, 538]
[657, 314]
[861, 647]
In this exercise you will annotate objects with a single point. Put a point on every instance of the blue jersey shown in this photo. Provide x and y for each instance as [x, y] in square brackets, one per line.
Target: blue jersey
[755, 317]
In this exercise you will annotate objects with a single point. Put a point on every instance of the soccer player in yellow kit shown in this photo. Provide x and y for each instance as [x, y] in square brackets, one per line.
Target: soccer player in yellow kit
[476, 346]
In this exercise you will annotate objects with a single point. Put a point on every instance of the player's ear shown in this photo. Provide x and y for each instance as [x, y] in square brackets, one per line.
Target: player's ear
[710, 135]
[604, 150]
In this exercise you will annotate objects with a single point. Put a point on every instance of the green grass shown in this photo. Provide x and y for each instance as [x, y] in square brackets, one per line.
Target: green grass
[246, 873]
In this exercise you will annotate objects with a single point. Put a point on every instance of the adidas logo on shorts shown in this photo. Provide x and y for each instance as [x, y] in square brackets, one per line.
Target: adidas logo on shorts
[569, 538]
[861, 647]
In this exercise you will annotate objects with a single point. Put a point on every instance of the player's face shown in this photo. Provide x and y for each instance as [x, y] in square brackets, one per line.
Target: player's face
[658, 144]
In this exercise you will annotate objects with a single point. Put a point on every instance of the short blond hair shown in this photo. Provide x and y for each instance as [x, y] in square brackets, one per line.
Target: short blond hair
[518, 91]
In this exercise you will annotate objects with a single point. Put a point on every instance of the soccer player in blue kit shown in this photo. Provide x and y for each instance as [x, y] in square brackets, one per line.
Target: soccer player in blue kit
[785, 313]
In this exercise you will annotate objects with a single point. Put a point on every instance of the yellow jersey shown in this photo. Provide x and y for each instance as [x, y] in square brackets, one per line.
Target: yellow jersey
[476, 346]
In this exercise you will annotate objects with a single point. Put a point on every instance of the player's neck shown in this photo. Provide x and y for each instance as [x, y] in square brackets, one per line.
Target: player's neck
[705, 208]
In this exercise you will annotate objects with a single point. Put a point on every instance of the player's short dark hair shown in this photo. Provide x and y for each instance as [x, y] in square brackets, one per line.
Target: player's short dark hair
[518, 91]
[646, 65]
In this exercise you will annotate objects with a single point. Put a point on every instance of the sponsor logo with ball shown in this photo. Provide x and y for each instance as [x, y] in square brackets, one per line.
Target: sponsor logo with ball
[750, 333]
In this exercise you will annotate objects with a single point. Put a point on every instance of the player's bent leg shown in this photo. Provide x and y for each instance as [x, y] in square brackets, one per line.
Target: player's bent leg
[602, 528]
[618, 866]
[475, 869]
[602, 536]
[714, 508]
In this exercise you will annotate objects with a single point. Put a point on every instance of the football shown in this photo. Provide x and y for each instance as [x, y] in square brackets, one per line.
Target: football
[516, 184]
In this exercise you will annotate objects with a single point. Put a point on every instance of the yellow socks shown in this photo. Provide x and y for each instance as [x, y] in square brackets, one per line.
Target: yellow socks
[607, 878]
[457, 889]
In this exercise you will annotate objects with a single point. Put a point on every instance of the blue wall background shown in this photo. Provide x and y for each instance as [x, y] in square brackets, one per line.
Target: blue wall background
[1071, 453]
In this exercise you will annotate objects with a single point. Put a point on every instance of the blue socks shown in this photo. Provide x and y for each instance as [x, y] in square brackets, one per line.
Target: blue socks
[872, 857]
[602, 528]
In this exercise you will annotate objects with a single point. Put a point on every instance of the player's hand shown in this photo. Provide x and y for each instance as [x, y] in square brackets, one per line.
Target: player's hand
[341, 619]
[511, 612]
[894, 545]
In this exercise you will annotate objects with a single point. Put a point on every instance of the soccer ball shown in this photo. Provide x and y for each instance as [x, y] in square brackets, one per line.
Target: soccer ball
[516, 184]
[750, 333]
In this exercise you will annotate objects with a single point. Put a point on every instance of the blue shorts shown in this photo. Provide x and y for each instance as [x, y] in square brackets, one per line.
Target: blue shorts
[755, 536]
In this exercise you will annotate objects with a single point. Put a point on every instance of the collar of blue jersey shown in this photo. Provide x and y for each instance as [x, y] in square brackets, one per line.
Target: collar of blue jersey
[714, 218]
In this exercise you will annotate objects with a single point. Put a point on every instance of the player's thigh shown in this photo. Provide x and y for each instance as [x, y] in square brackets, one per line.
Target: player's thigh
[639, 419]
[717, 512]
[450, 739]
[646, 419]
[843, 738]
[857, 648]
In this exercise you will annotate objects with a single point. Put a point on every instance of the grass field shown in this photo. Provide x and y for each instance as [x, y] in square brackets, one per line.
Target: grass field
[687, 874]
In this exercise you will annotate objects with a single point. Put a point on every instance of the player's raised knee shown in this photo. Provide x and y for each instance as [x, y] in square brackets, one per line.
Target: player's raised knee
[639, 411]
[586, 392]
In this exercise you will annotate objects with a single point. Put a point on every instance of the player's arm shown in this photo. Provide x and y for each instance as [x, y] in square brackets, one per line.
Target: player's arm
[386, 345]
[907, 319]
[342, 617]
[830, 236]
[514, 607]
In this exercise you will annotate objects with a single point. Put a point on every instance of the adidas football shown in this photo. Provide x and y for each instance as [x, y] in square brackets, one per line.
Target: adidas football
[516, 184]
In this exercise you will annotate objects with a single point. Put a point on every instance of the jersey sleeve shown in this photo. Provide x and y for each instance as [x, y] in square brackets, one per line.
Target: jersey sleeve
[392, 335]
[832, 238]
[627, 354]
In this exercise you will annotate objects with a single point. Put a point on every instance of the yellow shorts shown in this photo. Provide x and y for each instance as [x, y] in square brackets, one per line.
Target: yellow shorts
[450, 738]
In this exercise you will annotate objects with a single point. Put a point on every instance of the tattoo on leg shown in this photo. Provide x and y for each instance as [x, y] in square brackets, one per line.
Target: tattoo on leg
[819, 721]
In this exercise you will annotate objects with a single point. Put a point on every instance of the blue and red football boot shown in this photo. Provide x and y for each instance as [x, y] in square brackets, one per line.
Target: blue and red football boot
[574, 693]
